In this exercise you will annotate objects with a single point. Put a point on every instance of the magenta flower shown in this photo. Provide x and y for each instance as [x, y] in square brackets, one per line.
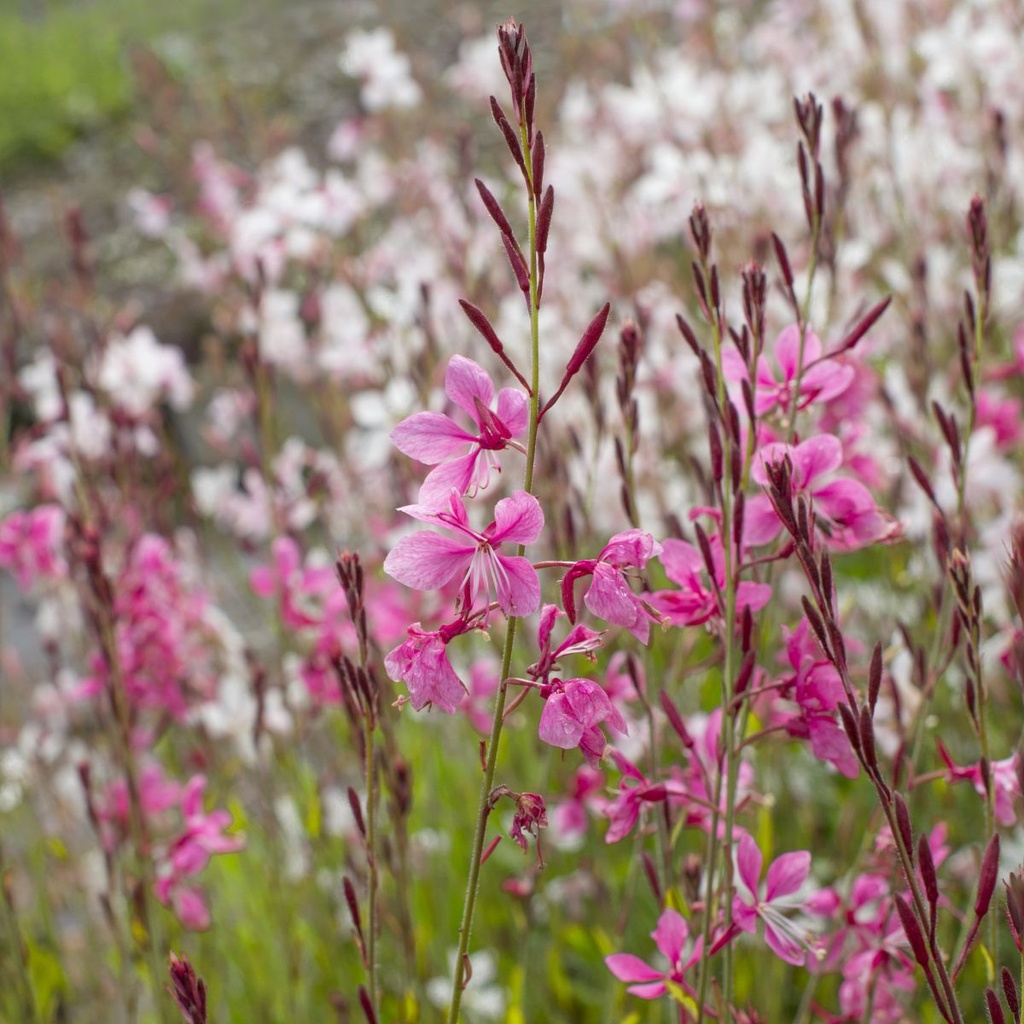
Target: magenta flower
[696, 601]
[635, 790]
[422, 664]
[437, 440]
[428, 561]
[30, 544]
[819, 383]
[786, 939]
[818, 691]
[609, 596]
[204, 833]
[572, 716]
[1005, 783]
[846, 512]
[672, 937]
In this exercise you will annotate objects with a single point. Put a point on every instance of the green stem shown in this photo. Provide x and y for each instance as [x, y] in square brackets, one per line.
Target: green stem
[490, 766]
[714, 848]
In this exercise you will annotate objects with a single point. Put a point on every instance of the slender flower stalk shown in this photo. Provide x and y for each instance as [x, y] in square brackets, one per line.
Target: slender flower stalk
[509, 37]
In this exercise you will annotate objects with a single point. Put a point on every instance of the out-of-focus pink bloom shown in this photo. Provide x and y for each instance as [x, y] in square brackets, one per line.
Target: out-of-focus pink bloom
[428, 561]
[672, 937]
[437, 440]
[30, 544]
[696, 601]
[847, 514]
[1003, 415]
[819, 383]
[156, 795]
[609, 596]
[786, 875]
[635, 790]
[204, 833]
[293, 585]
[477, 703]
[1005, 783]
[422, 664]
[570, 817]
[573, 715]
[166, 651]
[817, 690]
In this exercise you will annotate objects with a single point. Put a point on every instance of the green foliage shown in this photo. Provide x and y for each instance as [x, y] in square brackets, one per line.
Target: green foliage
[64, 71]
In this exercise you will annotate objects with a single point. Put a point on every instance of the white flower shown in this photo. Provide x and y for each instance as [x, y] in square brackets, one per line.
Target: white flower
[385, 73]
[137, 372]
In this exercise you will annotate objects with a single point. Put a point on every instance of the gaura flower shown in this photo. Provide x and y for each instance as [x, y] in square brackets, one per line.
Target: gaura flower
[572, 716]
[427, 560]
[609, 596]
[820, 382]
[437, 440]
[672, 937]
[785, 937]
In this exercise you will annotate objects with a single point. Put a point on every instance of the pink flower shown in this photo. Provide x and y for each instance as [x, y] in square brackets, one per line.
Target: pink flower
[572, 716]
[845, 511]
[609, 596]
[300, 591]
[204, 833]
[437, 440]
[30, 544]
[672, 937]
[818, 691]
[427, 561]
[422, 664]
[634, 792]
[696, 602]
[1005, 783]
[786, 875]
[819, 383]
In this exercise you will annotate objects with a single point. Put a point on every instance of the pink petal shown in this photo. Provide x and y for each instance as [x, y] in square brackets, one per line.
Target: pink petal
[748, 862]
[451, 514]
[733, 367]
[548, 614]
[427, 673]
[654, 990]
[457, 474]
[760, 522]
[520, 595]
[815, 457]
[430, 437]
[466, 380]
[627, 967]
[670, 936]
[682, 562]
[785, 947]
[787, 873]
[826, 381]
[753, 595]
[513, 410]
[192, 796]
[518, 520]
[427, 561]
[190, 906]
[844, 500]
[769, 455]
[559, 726]
[633, 548]
[787, 350]
[610, 599]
